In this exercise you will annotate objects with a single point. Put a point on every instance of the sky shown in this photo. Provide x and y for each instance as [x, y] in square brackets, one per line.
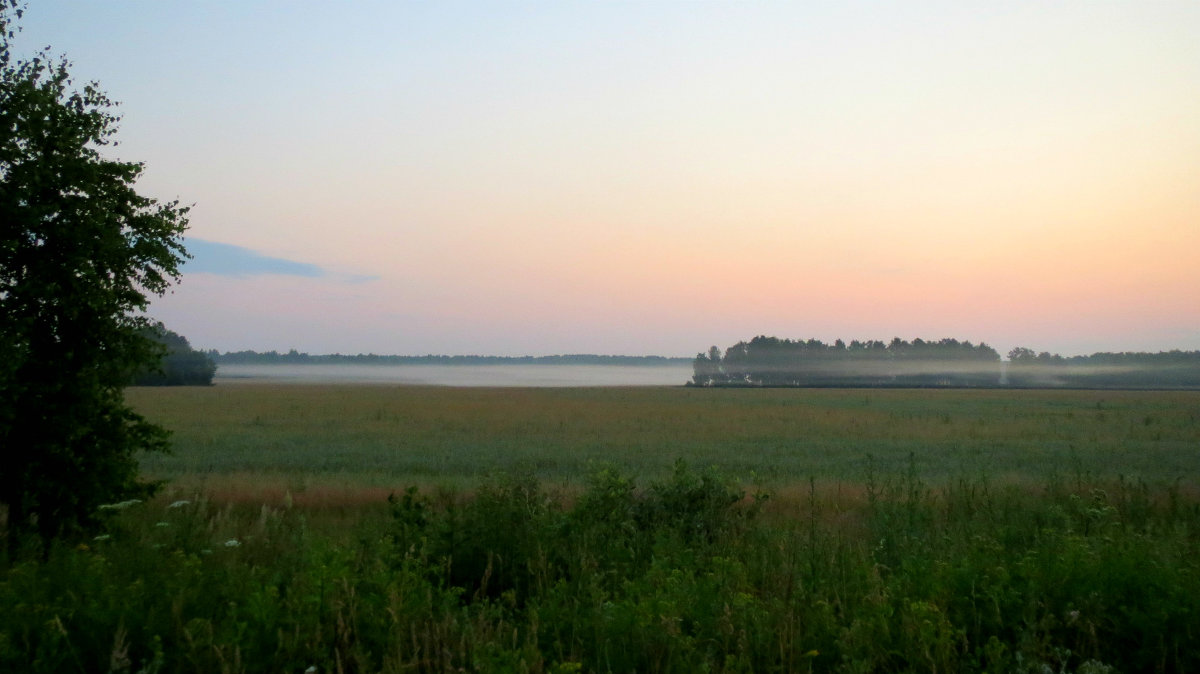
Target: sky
[637, 178]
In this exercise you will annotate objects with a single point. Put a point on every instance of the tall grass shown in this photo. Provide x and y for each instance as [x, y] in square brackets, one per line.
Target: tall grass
[682, 573]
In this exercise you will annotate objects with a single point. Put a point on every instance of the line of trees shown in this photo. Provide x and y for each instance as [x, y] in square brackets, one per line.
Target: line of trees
[294, 357]
[771, 361]
[1165, 369]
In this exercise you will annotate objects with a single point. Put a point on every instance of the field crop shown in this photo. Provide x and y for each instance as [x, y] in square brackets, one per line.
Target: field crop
[297, 437]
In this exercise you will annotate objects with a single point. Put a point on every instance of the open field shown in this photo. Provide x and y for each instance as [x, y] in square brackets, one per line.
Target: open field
[990, 531]
[380, 438]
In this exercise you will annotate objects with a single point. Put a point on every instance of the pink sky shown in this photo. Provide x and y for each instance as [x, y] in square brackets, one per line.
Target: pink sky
[656, 178]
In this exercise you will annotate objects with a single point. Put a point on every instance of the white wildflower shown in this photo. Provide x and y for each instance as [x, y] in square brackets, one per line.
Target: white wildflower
[232, 543]
[178, 504]
[311, 670]
[160, 525]
[120, 506]
[102, 537]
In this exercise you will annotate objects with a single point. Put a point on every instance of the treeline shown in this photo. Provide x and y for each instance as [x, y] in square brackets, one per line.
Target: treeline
[770, 361]
[294, 357]
[180, 364]
[1165, 369]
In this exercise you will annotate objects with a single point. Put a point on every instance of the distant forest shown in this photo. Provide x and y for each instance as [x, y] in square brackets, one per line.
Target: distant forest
[770, 361]
[294, 357]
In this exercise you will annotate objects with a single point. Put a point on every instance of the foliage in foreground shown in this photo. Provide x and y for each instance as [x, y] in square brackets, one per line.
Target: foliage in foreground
[683, 575]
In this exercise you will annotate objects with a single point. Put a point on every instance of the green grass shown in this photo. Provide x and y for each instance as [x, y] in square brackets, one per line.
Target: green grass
[683, 574]
[378, 436]
[555, 531]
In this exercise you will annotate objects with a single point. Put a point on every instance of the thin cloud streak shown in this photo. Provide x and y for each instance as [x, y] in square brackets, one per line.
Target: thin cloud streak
[225, 259]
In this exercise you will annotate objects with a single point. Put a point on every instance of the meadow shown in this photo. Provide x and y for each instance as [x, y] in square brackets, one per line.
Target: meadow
[278, 437]
[423, 529]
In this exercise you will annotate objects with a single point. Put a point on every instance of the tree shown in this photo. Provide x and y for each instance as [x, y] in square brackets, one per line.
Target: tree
[81, 253]
[181, 365]
[1022, 355]
[707, 369]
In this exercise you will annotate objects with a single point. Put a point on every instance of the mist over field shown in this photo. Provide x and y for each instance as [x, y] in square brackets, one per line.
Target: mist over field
[848, 373]
[948, 362]
[762, 361]
[461, 375]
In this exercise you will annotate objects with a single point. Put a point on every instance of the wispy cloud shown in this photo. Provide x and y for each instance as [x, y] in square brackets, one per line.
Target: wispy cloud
[224, 259]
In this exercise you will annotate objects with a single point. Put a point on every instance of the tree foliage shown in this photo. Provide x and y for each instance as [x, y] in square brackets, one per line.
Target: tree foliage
[81, 253]
[771, 361]
[180, 364]
[1162, 370]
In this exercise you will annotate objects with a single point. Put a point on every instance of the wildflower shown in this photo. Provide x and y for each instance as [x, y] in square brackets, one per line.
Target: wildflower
[178, 504]
[102, 537]
[312, 669]
[232, 543]
[122, 505]
[162, 524]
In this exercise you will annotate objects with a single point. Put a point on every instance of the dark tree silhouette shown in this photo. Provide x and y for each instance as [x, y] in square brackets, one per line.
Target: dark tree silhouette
[180, 364]
[81, 252]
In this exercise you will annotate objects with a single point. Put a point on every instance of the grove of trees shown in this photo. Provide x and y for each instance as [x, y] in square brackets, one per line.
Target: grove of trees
[771, 361]
[181, 365]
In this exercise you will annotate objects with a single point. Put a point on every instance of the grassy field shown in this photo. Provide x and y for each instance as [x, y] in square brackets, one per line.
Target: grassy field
[375, 438]
[731, 531]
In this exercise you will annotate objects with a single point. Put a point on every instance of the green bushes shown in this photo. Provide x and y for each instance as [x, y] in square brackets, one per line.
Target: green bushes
[511, 538]
[684, 574]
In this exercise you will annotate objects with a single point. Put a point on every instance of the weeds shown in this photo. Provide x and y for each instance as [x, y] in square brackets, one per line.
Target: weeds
[679, 574]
